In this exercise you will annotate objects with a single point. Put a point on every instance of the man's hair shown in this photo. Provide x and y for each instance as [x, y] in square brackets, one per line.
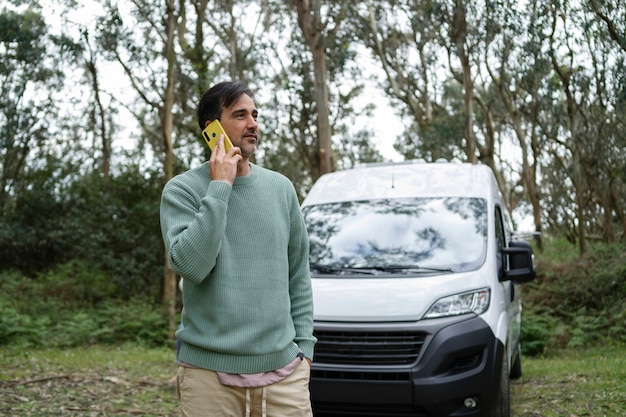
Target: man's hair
[217, 98]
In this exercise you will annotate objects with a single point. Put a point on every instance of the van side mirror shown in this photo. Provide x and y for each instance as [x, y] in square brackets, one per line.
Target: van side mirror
[521, 264]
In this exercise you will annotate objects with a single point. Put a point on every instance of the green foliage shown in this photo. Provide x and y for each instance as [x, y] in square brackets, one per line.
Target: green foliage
[536, 331]
[558, 250]
[575, 302]
[105, 231]
[32, 68]
[116, 226]
[586, 329]
[73, 306]
[22, 328]
[76, 283]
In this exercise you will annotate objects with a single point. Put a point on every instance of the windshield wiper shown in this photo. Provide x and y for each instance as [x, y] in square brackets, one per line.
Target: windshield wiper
[411, 268]
[341, 270]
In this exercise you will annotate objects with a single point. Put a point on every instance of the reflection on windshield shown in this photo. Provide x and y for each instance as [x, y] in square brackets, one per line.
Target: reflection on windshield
[448, 233]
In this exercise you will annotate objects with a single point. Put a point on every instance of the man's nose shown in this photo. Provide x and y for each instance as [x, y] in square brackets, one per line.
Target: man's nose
[252, 123]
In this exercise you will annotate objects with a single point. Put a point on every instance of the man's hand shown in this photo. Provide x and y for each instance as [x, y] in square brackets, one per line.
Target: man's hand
[223, 165]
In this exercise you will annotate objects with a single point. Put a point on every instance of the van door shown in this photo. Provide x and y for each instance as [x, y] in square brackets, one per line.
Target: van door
[511, 299]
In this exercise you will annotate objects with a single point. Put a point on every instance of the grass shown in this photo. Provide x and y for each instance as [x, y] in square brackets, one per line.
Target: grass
[134, 381]
[88, 381]
[573, 383]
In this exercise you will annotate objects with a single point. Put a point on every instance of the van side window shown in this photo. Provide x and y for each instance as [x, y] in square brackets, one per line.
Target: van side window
[500, 236]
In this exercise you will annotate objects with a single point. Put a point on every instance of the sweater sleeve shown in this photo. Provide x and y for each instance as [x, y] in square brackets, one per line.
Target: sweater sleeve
[300, 283]
[193, 224]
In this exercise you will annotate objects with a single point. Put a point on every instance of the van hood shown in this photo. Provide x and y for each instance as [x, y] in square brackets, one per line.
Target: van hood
[387, 299]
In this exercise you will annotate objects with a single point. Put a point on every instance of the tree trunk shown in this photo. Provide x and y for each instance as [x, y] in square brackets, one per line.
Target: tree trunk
[323, 113]
[309, 20]
[615, 202]
[459, 35]
[169, 276]
[99, 117]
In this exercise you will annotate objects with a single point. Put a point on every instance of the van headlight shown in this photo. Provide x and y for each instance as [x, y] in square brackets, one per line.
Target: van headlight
[475, 302]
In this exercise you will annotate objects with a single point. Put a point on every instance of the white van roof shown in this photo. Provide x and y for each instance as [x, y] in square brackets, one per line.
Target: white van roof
[404, 179]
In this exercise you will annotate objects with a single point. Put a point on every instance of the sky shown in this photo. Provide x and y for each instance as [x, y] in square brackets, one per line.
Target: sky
[385, 123]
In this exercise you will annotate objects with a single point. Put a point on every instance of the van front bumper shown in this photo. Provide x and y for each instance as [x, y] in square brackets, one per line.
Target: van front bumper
[455, 370]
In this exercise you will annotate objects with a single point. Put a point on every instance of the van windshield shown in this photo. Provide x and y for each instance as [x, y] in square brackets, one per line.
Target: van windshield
[398, 235]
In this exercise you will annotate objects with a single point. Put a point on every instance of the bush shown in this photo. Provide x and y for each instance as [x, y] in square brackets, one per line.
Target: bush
[111, 224]
[536, 332]
[61, 309]
[25, 329]
[575, 301]
[76, 283]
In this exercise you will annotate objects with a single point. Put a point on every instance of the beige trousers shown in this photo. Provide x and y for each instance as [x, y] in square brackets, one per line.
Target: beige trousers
[202, 395]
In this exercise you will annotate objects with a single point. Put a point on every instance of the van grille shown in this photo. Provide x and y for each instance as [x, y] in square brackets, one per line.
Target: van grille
[367, 348]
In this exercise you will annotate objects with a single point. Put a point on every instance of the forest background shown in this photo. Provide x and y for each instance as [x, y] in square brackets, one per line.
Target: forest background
[97, 112]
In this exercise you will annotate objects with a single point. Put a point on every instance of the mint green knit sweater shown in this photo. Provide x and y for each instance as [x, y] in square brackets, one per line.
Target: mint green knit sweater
[242, 251]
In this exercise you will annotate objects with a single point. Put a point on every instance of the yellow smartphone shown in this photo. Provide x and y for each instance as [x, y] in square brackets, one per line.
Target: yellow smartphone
[212, 133]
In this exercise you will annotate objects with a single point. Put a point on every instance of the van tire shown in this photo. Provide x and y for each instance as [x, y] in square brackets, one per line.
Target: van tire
[516, 365]
[502, 407]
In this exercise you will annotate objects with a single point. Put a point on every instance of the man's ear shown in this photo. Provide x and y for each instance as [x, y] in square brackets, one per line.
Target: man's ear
[207, 123]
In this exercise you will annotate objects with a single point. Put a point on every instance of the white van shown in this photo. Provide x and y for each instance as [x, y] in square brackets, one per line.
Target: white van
[417, 307]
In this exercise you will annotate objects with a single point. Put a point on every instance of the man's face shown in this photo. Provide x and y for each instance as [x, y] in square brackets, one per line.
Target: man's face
[239, 122]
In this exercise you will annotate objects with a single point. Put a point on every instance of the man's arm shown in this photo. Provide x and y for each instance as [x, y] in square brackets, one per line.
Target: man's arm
[193, 226]
[300, 284]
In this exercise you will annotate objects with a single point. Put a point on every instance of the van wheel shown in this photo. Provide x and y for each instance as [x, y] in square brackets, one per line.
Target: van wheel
[503, 405]
[516, 367]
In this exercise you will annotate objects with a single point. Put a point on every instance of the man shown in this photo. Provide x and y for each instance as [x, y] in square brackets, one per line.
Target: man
[235, 233]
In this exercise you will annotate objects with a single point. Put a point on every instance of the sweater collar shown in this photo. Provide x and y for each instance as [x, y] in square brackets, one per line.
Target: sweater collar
[248, 179]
